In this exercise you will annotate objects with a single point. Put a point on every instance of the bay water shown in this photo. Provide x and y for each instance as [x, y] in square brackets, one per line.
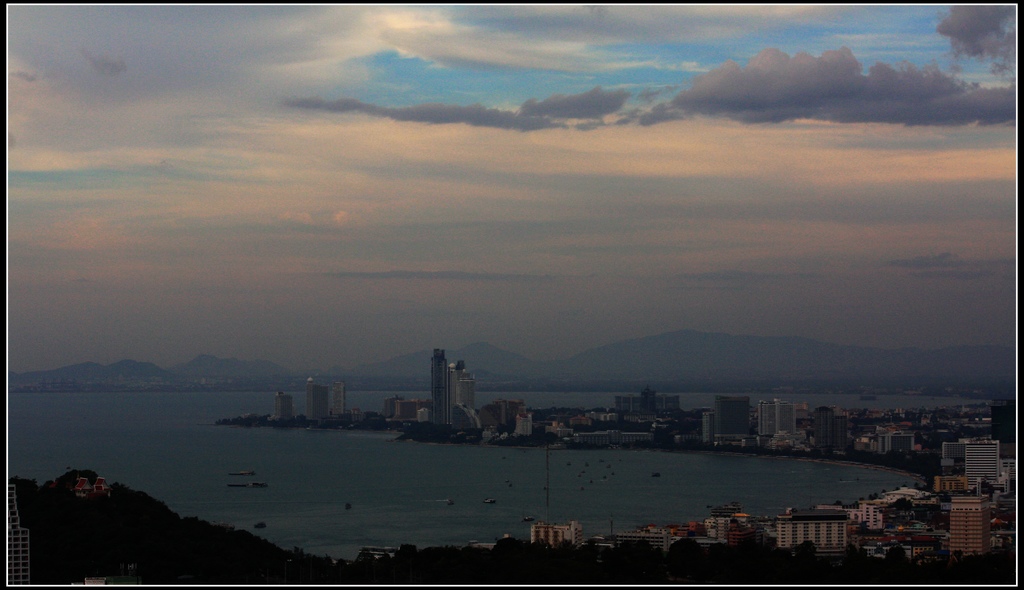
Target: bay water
[333, 492]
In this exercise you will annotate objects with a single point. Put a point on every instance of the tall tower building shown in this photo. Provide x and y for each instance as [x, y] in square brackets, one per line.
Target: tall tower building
[17, 542]
[439, 392]
[970, 525]
[462, 386]
[732, 417]
[829, 428]
[283, 408]
[775, 416]
[316, 400]
[338, 398]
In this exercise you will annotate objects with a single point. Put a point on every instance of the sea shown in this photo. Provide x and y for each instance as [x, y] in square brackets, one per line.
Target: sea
[333, 492]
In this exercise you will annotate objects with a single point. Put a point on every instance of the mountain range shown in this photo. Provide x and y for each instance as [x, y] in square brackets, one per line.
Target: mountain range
[681, 356]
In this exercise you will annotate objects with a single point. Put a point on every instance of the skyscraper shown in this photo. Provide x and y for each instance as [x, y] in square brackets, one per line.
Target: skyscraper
[829, 428]
[338, 398]
[283, 409]
[316, 400]
[439, 392]
[462, 386]
[732, 417]
[775, 416]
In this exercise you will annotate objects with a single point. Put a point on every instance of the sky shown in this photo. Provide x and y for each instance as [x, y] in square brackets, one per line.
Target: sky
[324, 186]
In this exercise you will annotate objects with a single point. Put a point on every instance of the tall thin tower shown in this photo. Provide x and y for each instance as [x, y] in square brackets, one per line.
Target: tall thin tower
[439, 392]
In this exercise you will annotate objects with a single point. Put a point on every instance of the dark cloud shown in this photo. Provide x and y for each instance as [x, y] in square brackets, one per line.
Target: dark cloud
[476, 115]
[592, 104]
[775, 87]
[105, 65]
[947, 265]
[983, 32]
[532, 115]
[444, 275]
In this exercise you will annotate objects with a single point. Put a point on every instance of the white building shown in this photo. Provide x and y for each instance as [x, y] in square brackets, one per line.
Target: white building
[524, 424]
[657, 537]
[556, 534]
[775, 416]
[825, 528]
[316, 400]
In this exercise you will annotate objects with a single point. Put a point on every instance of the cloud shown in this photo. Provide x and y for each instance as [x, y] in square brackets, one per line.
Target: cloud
[775, 87]
[983, 32]
[531, 116]
[947, 265]
[105, 65]
[592, 104]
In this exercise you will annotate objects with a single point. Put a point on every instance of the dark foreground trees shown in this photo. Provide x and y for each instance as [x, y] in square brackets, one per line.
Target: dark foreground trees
[73, 538]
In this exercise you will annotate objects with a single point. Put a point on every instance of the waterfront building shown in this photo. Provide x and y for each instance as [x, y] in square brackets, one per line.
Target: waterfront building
[440, 394]
[283, 409]
[732, 418]
[969, 524]
[830, 428]
[501, 412]
[556, 534]
[462, 386]
[707, 427]
[389, 406]
[648, 402]
[317, 407]
[524, 424]
[611, 437]
[338, 398]
[825, 528]
[464, 417]
[408, 409]
[775, 417]
[17, 543]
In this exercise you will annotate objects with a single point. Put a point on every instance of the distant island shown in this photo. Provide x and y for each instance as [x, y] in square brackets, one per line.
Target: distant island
[680, 361]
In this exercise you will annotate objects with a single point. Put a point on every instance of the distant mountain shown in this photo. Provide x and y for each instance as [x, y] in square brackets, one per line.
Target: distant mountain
[483, 360]
[206, 365]
[125, 370]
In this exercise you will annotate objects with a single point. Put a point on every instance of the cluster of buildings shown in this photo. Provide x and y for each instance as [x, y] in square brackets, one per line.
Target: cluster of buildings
[324, 404]
[937, 527]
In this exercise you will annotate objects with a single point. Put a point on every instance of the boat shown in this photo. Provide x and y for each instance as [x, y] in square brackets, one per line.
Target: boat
[449, 501]
[527, 519]
[260, 525]
[242, 473]
[348, 506]
[238, 485]
[489, 500]
[256, 484]
[656, 474]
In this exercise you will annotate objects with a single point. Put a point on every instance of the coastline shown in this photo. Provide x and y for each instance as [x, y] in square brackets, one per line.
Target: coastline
[914, 476]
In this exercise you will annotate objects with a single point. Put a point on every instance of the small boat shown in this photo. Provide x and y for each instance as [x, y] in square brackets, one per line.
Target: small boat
[238, 485]
[242, 473]
[489, 500]
[256, 484]
[449, 501]
[527, 519]
[260, 525]
[656, 474]
[348, 506]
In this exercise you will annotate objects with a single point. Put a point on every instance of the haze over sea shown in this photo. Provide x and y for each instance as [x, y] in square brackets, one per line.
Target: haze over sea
[165, 444]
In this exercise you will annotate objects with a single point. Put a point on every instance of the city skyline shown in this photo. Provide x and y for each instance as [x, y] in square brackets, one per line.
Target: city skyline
[334, 185]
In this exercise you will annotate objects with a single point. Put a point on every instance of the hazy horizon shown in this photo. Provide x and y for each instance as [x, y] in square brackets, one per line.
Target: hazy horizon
[325, 186]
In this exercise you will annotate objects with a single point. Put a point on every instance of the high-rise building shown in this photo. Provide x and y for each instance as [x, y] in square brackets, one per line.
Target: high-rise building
[830, 428]
[439, 392]
[17, 542]
[732, 417]
[283, 408]
[338, 398]
[775, 416]
[981, 461]
[462, 385]
[895, 441]
[970, 525]
[1004, 421]
[707, 426]
[317, 407]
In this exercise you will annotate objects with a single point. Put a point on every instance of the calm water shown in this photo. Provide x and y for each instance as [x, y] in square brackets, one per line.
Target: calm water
[165, 444]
